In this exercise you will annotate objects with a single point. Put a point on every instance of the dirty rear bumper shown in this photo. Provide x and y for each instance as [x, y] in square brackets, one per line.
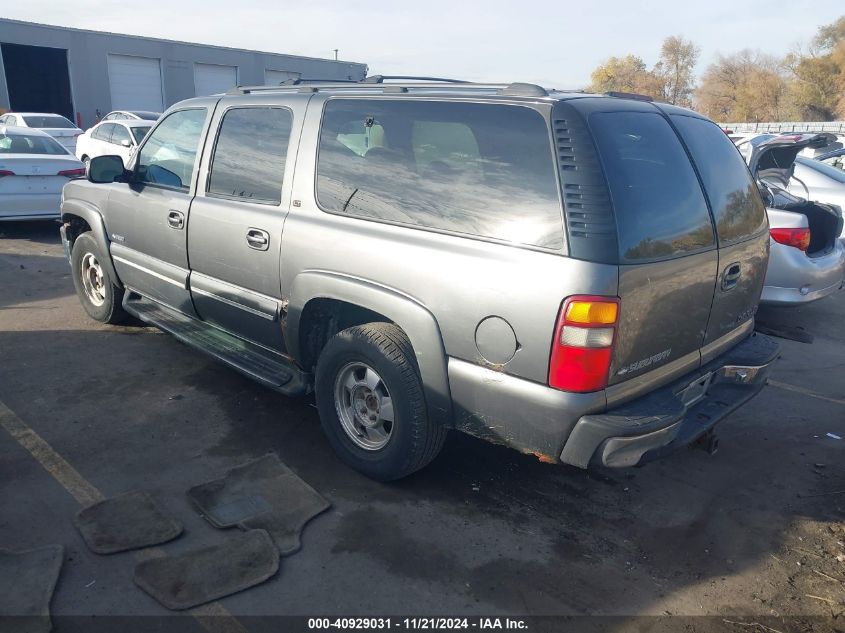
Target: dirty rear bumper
[673, 416]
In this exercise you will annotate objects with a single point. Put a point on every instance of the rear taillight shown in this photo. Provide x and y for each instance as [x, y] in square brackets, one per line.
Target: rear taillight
[797, 238]
[583, 345]
[72, 173]
[6, 172]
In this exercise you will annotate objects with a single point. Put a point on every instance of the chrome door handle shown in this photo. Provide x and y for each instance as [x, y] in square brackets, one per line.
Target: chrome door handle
[258, 239]
[176, 219]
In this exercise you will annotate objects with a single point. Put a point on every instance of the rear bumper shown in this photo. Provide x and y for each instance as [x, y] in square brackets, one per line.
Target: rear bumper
[793, 278]
[30, 206]
[673, 416]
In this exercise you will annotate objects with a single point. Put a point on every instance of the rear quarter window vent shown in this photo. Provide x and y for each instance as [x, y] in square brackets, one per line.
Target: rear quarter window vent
[587, 205]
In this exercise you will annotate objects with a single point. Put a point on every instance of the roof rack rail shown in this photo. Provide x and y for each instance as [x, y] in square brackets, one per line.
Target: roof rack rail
[516, 89]
[628, 95]
[380, 79]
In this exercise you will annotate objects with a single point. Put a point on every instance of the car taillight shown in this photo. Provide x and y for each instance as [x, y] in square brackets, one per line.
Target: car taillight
[72, 173]
[797, 238]
[583, 345]
[6, 172]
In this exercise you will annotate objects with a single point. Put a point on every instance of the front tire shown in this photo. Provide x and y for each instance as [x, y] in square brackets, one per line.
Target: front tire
[97, 291]
[371, 402]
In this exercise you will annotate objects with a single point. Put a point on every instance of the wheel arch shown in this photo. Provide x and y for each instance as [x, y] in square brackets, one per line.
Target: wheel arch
[382, 304]
[79, 217]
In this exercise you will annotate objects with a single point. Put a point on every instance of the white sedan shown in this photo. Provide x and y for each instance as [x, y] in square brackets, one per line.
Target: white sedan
[118, 138]
[33, 170]
[57, 126]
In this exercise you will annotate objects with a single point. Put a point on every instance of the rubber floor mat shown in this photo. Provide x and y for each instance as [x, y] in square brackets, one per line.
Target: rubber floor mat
[27, 581]
[187, 580]
[125, 522]
[261, 494]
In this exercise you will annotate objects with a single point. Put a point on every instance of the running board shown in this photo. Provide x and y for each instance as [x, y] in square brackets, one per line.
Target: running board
[259, 363]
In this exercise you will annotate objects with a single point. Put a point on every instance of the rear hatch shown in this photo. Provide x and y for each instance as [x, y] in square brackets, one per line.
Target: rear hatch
[665, 195]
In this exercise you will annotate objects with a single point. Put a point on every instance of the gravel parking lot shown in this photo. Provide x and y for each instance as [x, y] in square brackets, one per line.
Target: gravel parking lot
[756, 530]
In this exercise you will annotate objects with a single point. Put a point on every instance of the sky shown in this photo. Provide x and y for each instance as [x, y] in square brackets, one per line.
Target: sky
[556, 43]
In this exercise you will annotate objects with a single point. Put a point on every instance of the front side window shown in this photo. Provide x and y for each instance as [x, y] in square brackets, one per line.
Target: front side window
[659, 206]
[120, 134]
[484, 170]
[168, 158]
[249, 157]
[734, 198]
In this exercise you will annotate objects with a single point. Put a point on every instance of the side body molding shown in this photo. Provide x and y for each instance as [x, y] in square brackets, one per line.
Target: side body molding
[91, 214]
[417, 322]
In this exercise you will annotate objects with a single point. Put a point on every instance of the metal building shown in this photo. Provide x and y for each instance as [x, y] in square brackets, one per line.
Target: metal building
[78, 73]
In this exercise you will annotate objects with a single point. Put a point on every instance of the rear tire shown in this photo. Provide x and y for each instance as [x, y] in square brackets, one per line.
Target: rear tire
[372, 405]
[97, 291]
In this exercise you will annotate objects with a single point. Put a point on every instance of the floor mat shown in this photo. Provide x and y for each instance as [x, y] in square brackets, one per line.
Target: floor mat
[129, 521]
[193, 578]
[261, 494]
[27, 581]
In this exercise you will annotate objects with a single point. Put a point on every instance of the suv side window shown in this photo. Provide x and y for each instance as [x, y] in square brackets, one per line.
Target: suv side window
[169, 155]
[660, 209]
[736, 203]
[119, 134]
[103, 132]
[249, 156]
[484, 170]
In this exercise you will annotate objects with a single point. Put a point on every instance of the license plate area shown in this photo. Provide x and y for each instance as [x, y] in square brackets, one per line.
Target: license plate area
[696, 390]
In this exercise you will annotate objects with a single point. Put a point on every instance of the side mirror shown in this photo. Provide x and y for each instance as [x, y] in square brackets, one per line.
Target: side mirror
[126, 142]
[105, 169]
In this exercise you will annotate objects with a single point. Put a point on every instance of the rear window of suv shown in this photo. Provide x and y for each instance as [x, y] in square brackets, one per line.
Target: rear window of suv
[485, 170]
[737, 207]
[659, 206]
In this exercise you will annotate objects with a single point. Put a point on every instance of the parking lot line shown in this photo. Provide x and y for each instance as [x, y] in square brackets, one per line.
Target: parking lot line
[805, 392]
[213, 617]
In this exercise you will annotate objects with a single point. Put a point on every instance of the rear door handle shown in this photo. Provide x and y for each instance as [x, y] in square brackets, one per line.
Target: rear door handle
[176, 219]
[731, 276]
[258, 239]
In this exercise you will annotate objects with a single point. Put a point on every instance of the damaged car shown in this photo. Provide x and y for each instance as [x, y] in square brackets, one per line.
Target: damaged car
[807, 258]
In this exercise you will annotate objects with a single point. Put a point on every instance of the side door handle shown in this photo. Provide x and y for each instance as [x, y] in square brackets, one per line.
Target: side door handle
[176, 219]
[731, 275]
[258, 239]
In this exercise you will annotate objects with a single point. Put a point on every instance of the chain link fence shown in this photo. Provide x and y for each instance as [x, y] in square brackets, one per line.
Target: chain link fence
[837, 127]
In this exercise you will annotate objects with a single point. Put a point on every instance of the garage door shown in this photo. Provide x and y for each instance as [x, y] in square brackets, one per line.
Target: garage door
[275, 77]
[135, 83]
[211, 79]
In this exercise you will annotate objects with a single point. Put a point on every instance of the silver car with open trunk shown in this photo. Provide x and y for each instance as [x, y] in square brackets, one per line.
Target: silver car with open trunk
[572, 275]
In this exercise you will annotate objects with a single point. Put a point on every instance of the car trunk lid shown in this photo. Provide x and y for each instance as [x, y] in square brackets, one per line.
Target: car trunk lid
[773, 161]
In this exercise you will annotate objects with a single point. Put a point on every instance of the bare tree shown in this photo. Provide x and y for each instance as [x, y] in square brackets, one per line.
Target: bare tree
[676, 68]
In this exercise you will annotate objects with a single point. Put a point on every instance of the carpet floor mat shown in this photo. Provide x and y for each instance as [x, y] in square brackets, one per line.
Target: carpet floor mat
[262, 494]
[27, 582]
[193, 578]
[125, 522]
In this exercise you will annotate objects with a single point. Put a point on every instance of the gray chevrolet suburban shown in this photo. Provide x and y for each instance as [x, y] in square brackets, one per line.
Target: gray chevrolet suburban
[572, 275]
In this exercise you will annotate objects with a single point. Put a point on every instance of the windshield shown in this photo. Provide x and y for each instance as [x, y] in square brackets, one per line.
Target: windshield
[828, 170]
[139, 133]
[30, 144]
[52, 121]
